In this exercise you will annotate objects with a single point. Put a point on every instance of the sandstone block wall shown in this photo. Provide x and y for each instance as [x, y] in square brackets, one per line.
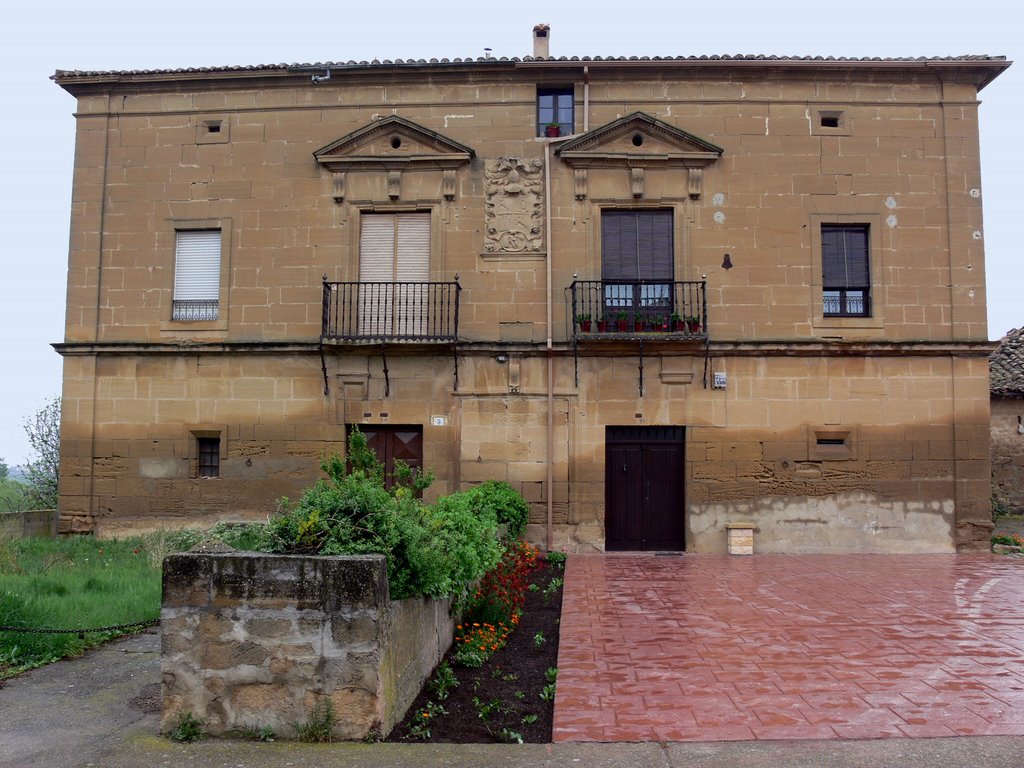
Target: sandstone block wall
[902, 158]
[1008, 451]
[254, 640]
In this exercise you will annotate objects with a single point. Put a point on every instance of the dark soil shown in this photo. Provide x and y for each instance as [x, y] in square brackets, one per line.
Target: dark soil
[514, 676]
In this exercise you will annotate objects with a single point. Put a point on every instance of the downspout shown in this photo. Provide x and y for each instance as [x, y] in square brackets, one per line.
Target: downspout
[94, 508]
[549, 347]
[586, 98]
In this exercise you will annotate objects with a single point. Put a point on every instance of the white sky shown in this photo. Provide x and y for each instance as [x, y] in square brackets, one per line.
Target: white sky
[38, 130]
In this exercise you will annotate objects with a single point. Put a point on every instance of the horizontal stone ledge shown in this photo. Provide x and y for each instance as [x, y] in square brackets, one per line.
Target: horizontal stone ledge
[653, 347]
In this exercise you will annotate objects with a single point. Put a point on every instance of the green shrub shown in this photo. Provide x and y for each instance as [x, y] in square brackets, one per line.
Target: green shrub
[430, 550]
[504, 502]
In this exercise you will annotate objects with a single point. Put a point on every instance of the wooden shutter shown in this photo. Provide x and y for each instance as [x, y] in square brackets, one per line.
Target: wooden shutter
[197, 274]
[636, 245]
[844, 255]
[393, 249]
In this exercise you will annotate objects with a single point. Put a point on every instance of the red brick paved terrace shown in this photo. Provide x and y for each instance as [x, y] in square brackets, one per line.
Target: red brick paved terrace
[713, 648]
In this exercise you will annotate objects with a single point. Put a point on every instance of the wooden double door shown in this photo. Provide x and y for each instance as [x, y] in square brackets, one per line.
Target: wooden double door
[391, 442]
[644, 488]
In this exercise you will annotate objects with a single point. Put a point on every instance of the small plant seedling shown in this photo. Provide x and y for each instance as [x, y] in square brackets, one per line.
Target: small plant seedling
[539, 640]
[556, 559]
[512, 737]
[534, 588]
[485, 710]
[189, 729]
[420, 729]
[552, 588]
[519, 695]
[444, 681]
[548, 692]
[530, 719]
[318, 729]
[551, 674]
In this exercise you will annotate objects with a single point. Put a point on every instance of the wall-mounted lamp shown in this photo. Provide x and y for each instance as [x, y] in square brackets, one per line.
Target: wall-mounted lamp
[502, 358]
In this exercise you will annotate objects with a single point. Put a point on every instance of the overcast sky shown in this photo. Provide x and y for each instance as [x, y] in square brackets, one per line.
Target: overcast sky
[38, 130]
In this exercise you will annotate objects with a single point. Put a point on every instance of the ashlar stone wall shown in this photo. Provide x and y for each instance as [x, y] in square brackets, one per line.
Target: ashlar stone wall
[255, 640]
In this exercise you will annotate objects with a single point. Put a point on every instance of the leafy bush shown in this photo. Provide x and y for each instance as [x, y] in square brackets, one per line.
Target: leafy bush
[430, 550]
[505, 503]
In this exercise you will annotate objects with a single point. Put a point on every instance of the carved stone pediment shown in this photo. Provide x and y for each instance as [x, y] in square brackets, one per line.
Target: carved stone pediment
[635, 142]
[638, 140]
[395, 144]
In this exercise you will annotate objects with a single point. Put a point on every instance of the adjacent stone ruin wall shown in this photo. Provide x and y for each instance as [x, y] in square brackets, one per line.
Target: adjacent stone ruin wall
[254, 640]
[32, 522]
[1008, 451]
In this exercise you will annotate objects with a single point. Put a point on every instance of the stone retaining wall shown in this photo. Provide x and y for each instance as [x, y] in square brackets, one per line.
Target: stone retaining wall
[32, 522]
[256, 640]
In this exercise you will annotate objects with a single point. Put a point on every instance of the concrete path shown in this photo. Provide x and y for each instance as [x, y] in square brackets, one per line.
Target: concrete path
[717, 648]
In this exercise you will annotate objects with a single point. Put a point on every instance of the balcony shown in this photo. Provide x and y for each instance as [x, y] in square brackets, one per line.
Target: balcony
[385, 312]
[655, 310]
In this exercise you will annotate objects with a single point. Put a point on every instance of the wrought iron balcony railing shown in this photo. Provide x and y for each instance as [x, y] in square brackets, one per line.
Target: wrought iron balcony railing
[391, 311]
[610, 309]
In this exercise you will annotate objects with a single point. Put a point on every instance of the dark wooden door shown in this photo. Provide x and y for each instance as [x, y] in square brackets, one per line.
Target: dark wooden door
[394, 442]
[644, 497]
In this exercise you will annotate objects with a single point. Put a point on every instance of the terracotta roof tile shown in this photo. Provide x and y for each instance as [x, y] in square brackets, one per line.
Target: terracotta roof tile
[63, 74]
[1006, 365]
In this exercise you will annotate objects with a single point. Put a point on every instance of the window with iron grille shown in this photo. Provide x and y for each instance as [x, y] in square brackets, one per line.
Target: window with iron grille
[209, 456]
[555, 107]
[196, 275]
[845, 272]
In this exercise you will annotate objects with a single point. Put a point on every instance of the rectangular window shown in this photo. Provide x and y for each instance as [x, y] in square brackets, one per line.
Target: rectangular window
[394, 269]
[208, 451]
[196, 275]
[637, 249]
[555, 111]
[845, 273]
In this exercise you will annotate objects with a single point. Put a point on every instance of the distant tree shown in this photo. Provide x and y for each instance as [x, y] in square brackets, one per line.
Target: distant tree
[43, 430]
[4, 470]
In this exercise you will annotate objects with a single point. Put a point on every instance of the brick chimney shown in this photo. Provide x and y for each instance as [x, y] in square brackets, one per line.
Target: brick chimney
[541, 38]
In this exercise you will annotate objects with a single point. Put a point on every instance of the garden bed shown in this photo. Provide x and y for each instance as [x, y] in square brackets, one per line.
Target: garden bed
[510, 697]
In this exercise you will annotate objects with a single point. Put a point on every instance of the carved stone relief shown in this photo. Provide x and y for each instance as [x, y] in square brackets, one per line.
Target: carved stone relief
[514, 205]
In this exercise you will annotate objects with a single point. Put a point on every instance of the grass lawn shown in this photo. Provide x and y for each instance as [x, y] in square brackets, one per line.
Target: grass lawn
[71, 583]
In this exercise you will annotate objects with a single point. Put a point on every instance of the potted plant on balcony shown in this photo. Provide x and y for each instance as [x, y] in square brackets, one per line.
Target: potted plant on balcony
[676, 322]
[663, 325]
[552, 130]
[693, 324]
[602, 324]
[620, 322]
[638, 322]
[584, 322]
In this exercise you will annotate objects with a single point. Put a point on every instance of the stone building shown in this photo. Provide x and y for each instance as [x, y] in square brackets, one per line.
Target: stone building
[658, 295]
[1006, 372]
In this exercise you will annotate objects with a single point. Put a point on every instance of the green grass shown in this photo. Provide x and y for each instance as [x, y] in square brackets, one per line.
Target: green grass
[71, 583]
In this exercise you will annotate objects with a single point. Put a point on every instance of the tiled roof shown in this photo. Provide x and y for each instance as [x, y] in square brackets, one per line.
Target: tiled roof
[1006, 365]
[62, 74]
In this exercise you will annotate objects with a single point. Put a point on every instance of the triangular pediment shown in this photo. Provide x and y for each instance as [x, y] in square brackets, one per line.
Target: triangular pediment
[638, 140]
[393, 143]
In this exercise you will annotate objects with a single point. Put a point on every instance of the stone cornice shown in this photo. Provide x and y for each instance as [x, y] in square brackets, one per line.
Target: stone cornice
[769, 348]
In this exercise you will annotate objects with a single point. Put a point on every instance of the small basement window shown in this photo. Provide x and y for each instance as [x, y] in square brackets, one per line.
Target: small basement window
[830, 443]
[208, 456]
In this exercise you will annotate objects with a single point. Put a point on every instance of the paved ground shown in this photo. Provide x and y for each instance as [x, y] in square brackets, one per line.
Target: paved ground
[710, 648]
[958, 616]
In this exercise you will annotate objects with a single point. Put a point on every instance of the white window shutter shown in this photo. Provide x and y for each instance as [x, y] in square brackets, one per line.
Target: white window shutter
[197, 275]
[393, 249]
